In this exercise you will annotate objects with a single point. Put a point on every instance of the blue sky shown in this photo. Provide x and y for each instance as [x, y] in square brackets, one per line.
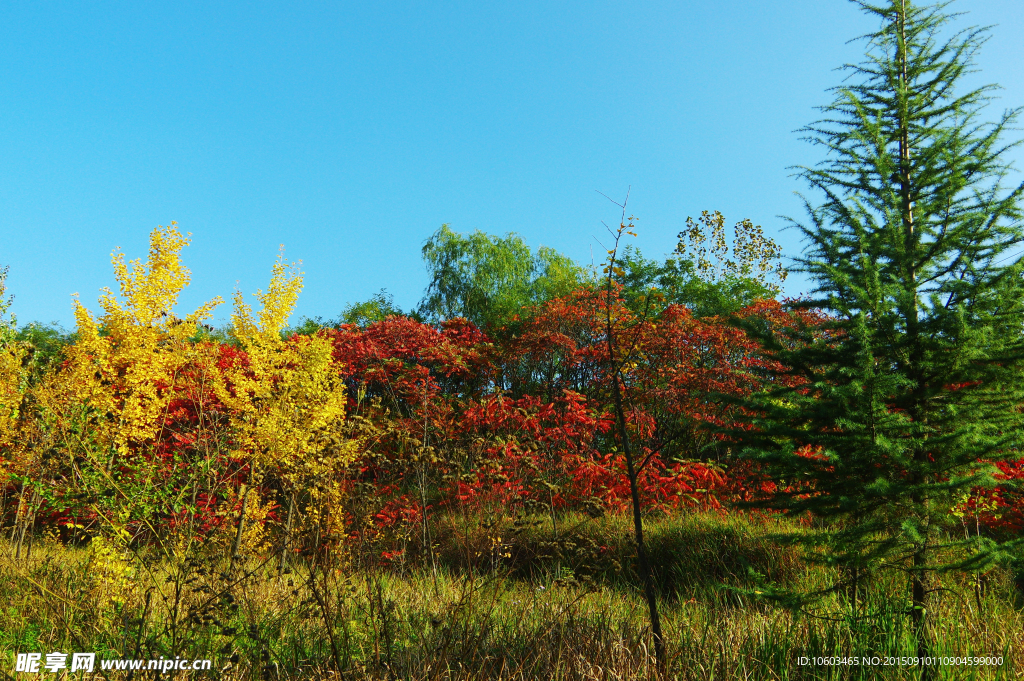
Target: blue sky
[350, 131]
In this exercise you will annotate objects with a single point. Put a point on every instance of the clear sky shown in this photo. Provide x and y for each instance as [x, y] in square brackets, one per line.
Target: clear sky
[350, 131]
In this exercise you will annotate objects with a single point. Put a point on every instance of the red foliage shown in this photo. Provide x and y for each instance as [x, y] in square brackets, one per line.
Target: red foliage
[532, 416]
[461, 420]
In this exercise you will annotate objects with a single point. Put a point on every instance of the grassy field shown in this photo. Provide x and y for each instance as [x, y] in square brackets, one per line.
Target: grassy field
[497, 598]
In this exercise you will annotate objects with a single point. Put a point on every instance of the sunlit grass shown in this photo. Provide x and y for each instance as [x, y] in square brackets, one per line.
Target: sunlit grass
[547, 605]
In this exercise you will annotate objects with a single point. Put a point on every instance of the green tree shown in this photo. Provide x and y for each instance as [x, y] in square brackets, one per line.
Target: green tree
[490, 280]
[44, 344]
[891, 410]
[379, 307]
[707, 274]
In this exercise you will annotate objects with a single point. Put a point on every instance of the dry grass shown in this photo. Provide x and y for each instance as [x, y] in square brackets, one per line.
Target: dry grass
[541, 602]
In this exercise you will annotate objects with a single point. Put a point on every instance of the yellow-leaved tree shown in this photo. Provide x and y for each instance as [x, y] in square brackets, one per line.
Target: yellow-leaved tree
[13, 381]
[286, 402]
[12, 389]
[124, 364]
[105, 408]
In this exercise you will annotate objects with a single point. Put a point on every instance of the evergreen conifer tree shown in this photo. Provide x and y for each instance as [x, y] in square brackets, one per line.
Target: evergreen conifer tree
[893, 409]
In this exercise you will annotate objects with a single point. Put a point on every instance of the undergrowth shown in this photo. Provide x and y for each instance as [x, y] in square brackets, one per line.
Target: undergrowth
[492, 598]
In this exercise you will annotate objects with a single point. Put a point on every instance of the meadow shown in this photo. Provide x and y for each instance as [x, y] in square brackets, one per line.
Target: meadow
[512, 600]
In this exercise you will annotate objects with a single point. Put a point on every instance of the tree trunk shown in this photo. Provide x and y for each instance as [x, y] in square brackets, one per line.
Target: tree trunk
[644, 563]
[919, 576]
[241, 525]
[287, 535]
[919, 603]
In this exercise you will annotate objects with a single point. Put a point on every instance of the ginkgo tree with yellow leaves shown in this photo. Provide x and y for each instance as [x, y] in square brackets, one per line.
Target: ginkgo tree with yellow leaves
[286, 396]
[128, 373]
[147, 420]
[286, 402]
[101, 413]
[13, 384]
[12, 389]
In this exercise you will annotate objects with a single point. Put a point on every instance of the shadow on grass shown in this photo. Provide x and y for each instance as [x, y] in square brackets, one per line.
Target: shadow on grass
[693, 554]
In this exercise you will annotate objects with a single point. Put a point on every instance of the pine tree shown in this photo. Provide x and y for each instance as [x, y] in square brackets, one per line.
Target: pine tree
[893, 409]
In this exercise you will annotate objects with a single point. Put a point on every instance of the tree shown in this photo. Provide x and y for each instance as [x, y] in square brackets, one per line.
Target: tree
[287, 403]
[45, 344]
[621, 349]
[379, 307]
[102, 402]
[489, 280]
[12, 371]
[897, 407]
[707, 274]
[7, 326]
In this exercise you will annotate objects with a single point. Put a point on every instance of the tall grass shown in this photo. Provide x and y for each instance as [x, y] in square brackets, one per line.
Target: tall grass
[505, 599]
